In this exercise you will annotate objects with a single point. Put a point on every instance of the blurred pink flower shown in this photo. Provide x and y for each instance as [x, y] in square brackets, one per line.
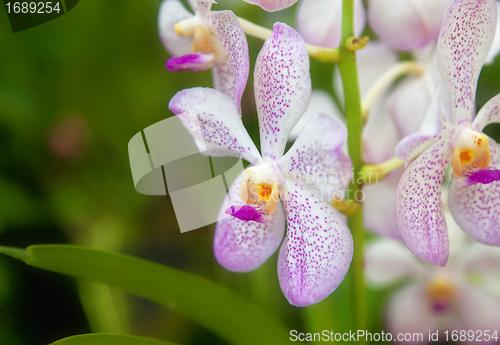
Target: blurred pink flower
[317, 250]
[464, 295]
[406, 24]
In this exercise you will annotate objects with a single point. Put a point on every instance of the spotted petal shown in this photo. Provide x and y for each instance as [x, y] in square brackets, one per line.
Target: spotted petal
[489, 113]
[282, 87]
[213, 120]
[464, 42]
[476, 208]
[319, 22]
[272, 5]
[418, 204]
[243, 246]
[318, 157]
[230, 77]
[317, 249]
[170, 13]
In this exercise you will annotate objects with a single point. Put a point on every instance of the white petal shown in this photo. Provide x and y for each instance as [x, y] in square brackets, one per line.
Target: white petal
[170, 13]
[214, 121]
[464, 42]
[318, 157]
[317, 250]
[419, 207]
[282, 85]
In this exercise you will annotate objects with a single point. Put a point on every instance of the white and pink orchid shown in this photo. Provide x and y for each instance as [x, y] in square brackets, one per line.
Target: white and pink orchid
[474, 200]
[317, 250]
[207, 39]
[463, 296]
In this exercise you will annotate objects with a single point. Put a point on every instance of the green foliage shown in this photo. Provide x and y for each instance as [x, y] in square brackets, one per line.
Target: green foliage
[211, 305]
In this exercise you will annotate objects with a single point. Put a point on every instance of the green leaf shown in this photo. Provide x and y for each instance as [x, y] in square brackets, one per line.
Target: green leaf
[213, 306]
[108, 339]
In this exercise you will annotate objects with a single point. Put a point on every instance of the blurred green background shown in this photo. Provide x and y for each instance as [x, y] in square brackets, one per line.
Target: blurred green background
[73, 92]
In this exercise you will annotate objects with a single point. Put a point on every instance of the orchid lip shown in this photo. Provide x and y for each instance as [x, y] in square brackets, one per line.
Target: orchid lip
[471, 151]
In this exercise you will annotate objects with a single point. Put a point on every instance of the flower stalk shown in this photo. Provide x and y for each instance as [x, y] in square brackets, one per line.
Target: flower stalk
[348, 70]
[318, 53]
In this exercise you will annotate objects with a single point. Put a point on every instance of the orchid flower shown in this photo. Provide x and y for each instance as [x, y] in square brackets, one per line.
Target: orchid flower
[464, 295]
[317, 250]
[464, 41]
[207, 39]
[319, 22]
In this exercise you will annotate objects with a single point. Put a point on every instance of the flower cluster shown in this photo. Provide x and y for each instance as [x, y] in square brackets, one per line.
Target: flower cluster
[427, 120]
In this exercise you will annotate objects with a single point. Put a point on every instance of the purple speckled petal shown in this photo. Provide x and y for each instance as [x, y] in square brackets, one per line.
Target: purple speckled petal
[282, 87]
[246, 212]
[272, 5]
[410, 147]
[319, 22]
[318, 157]
[243, 246]
[170, 13]
[213, 120]
[408, 311]
[495, 46]
[378, 214]
[317, 249]
[406, 24]
[476, 208]
[193, 62]
[489, 113]
[388, 261]
[464, 41]
[230, 77]
[418, 204]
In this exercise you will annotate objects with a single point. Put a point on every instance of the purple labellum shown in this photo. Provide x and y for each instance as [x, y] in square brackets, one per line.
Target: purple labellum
[245, 213]
[193, 62]
[484, 176]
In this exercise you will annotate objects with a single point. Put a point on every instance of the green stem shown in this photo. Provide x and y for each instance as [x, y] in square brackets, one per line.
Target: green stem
[354, 118]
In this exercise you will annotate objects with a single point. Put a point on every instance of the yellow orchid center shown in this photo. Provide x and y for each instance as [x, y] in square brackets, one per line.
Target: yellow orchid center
[441, 293]
[258, 188]
[472, 152]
